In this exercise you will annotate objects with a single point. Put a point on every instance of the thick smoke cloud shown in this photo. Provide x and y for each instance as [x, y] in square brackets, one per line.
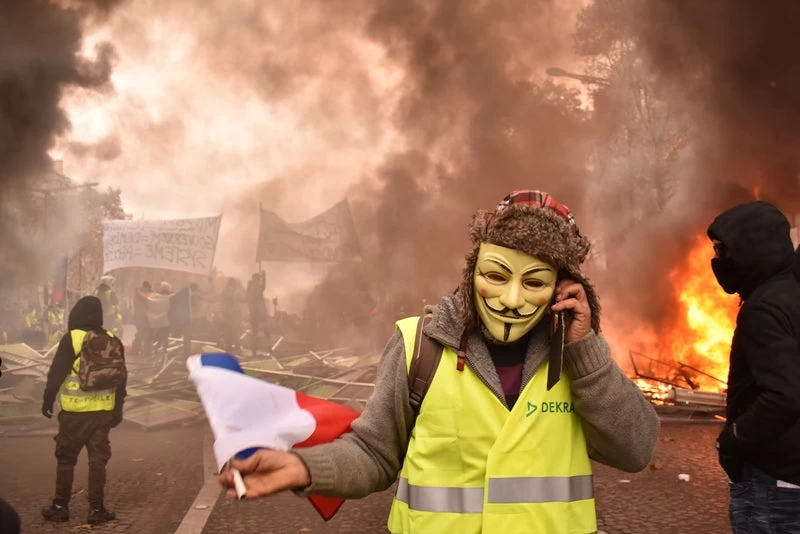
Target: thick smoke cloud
[40, 42]
[477, 122]
[728, 76]
[476, 126]
[738, 67]
[419, 112]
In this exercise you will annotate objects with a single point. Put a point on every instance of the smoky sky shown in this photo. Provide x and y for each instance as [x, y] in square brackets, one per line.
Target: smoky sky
[461, 87]
[475, 120]
[729, 71]
[39, 58]
[738, 66]
[477, 126]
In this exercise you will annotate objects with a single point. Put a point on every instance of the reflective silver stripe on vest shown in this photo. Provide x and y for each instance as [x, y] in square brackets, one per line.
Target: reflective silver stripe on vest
[440, 498]
[81, 393]
[540, 489]
[501, 491]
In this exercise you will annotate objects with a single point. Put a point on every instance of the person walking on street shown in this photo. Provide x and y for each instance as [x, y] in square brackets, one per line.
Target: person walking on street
[230, 310]
[759, 447]
[498, 439]
[91, 401]
[112, 316]
[159, 323]
[258, 310]
[143, 340]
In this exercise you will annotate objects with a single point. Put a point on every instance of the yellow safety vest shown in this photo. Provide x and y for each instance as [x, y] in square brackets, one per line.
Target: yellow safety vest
[474, 467]
[73, 398]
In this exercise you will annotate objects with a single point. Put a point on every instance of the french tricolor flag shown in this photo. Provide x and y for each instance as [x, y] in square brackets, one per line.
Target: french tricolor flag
[246, 414]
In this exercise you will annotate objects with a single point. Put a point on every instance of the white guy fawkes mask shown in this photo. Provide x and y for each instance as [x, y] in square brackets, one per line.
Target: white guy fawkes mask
[513, 291]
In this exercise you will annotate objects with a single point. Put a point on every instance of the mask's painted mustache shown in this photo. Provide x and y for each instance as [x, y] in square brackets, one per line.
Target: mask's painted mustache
[508, 311]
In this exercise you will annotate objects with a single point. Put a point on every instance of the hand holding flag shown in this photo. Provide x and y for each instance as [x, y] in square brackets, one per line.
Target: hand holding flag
[267, 472]
[249, 416]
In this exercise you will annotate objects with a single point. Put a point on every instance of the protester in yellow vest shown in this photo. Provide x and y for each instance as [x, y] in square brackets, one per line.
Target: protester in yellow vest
[496, 447]
[85, 419]
[55, 324]
[112, 315]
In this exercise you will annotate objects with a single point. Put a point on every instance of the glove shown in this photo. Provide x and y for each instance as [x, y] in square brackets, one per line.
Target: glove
[730, 453]
[117, 419]
[47, 410]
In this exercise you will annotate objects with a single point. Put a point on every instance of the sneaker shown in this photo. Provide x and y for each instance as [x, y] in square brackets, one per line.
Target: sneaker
[56, 513]
[98, 516]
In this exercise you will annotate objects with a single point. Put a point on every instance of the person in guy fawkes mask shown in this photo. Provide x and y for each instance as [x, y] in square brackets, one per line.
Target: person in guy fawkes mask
[496, 446]
[759, 448]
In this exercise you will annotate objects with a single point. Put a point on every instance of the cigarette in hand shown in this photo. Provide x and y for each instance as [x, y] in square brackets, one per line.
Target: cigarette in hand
[238, 483]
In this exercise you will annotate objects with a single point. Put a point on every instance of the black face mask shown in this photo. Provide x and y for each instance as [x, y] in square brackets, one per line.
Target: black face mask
[725, 272]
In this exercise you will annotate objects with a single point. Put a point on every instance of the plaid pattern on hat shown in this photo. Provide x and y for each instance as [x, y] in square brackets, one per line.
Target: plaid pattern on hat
[531, 197]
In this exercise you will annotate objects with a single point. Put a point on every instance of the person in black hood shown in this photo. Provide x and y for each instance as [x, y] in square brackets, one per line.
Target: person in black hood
[759, 448]
[86, 417]
[796, 266]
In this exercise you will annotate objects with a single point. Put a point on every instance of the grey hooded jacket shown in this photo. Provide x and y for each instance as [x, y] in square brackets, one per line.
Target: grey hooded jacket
[621, 427]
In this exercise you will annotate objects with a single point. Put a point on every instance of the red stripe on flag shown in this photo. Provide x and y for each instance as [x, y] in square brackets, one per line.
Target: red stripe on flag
[332, 420]
[326, 507]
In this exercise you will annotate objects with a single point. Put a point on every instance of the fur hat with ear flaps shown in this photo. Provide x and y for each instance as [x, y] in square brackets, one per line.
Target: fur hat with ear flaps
[534, 223]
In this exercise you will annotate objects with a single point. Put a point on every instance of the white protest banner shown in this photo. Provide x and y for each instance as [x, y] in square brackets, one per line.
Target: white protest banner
[180, 244]
[330, 236]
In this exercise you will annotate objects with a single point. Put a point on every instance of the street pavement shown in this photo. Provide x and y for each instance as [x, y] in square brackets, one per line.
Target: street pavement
[152, 480]
[154, 477]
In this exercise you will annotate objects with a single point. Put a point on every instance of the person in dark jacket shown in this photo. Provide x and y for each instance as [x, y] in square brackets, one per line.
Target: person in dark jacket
[85, 419]
[9, 519]
[759, 448]
[796, 267]
[258, 311]
[230, 309]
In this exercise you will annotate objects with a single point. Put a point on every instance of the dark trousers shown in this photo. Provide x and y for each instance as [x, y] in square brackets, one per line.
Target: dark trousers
[9, 519]
[230, 337]
[77, 430]
[161, 337]
[760, 504]
[143, 342]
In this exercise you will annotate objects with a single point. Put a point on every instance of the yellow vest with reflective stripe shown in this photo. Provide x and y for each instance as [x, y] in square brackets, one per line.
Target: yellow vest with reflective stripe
[474, 467]
[73, 398]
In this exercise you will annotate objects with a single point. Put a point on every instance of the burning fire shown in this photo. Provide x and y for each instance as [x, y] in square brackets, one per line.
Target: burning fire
[703, 341]
[691, 349]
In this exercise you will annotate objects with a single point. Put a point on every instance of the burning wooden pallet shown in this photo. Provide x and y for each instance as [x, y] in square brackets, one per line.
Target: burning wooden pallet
[672, 389]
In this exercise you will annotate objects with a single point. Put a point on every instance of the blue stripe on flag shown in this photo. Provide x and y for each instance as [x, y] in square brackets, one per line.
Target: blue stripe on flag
[221, 359]
[226, 361]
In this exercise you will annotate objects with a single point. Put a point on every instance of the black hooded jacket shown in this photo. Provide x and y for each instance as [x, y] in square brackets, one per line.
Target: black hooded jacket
[797, 263]
[87, 314]
[764, 377]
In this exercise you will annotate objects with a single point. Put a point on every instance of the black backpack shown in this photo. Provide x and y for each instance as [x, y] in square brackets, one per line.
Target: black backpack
[427, 353]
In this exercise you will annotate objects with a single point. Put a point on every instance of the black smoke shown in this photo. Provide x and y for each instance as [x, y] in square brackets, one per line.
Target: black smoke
[40, 59]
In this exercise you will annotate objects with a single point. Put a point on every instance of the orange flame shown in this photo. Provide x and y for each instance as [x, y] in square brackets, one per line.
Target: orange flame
[703, 331]
[691, 348]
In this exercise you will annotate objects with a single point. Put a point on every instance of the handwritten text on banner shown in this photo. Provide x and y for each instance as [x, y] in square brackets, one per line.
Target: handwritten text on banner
[180, 244]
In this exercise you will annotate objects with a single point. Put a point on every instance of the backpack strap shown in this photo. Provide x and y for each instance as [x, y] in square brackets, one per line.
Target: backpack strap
[427, 353]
